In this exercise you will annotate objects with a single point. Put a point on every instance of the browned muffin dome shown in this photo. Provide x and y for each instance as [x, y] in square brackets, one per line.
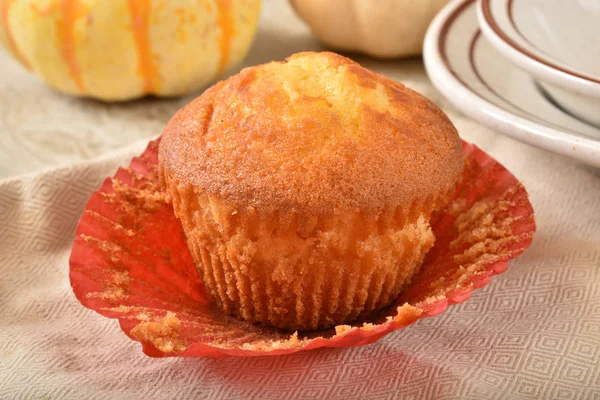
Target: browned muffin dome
[315, 133]
[315, 165]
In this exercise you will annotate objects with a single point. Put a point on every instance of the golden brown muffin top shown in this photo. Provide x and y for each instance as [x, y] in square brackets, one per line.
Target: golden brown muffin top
[315, 133]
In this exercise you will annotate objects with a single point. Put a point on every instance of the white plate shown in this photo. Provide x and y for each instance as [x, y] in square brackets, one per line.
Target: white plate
[557, 41]
[472, 75]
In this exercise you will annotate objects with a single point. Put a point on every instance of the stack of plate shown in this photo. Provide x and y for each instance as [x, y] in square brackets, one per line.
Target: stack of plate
[527, 68]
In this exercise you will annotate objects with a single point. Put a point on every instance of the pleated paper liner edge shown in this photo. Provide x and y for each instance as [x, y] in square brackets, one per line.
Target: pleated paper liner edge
[130, 261]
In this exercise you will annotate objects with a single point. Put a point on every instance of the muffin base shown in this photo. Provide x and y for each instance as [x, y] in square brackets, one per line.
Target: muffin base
[294, 273]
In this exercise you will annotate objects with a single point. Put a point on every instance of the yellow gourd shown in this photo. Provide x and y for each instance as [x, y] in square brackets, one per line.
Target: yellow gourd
[124, 49]
[380, 28]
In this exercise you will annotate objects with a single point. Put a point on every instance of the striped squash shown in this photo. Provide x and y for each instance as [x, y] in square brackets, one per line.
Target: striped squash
[125, 49]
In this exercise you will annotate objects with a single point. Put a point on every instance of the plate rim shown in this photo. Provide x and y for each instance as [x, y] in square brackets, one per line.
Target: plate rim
[534, 63]
[475, 106]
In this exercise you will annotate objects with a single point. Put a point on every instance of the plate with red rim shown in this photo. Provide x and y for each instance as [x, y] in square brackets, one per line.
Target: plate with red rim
[484, 84]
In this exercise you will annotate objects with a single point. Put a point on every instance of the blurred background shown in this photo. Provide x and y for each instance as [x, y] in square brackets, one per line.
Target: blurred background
[41, 127]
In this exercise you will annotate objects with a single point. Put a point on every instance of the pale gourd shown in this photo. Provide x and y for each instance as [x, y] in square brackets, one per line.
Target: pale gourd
[379, 28]
[125, 49]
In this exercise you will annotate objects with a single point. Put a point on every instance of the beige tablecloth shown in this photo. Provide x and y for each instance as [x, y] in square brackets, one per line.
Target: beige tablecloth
[533, 333]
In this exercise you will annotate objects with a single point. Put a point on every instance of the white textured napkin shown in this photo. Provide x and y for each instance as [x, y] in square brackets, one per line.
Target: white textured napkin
[534, 332]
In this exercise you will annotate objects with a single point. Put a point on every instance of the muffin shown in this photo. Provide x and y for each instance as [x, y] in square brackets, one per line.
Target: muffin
[305, 188]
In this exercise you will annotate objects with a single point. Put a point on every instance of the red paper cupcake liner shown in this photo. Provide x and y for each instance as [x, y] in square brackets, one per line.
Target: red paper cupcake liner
[130, 261]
